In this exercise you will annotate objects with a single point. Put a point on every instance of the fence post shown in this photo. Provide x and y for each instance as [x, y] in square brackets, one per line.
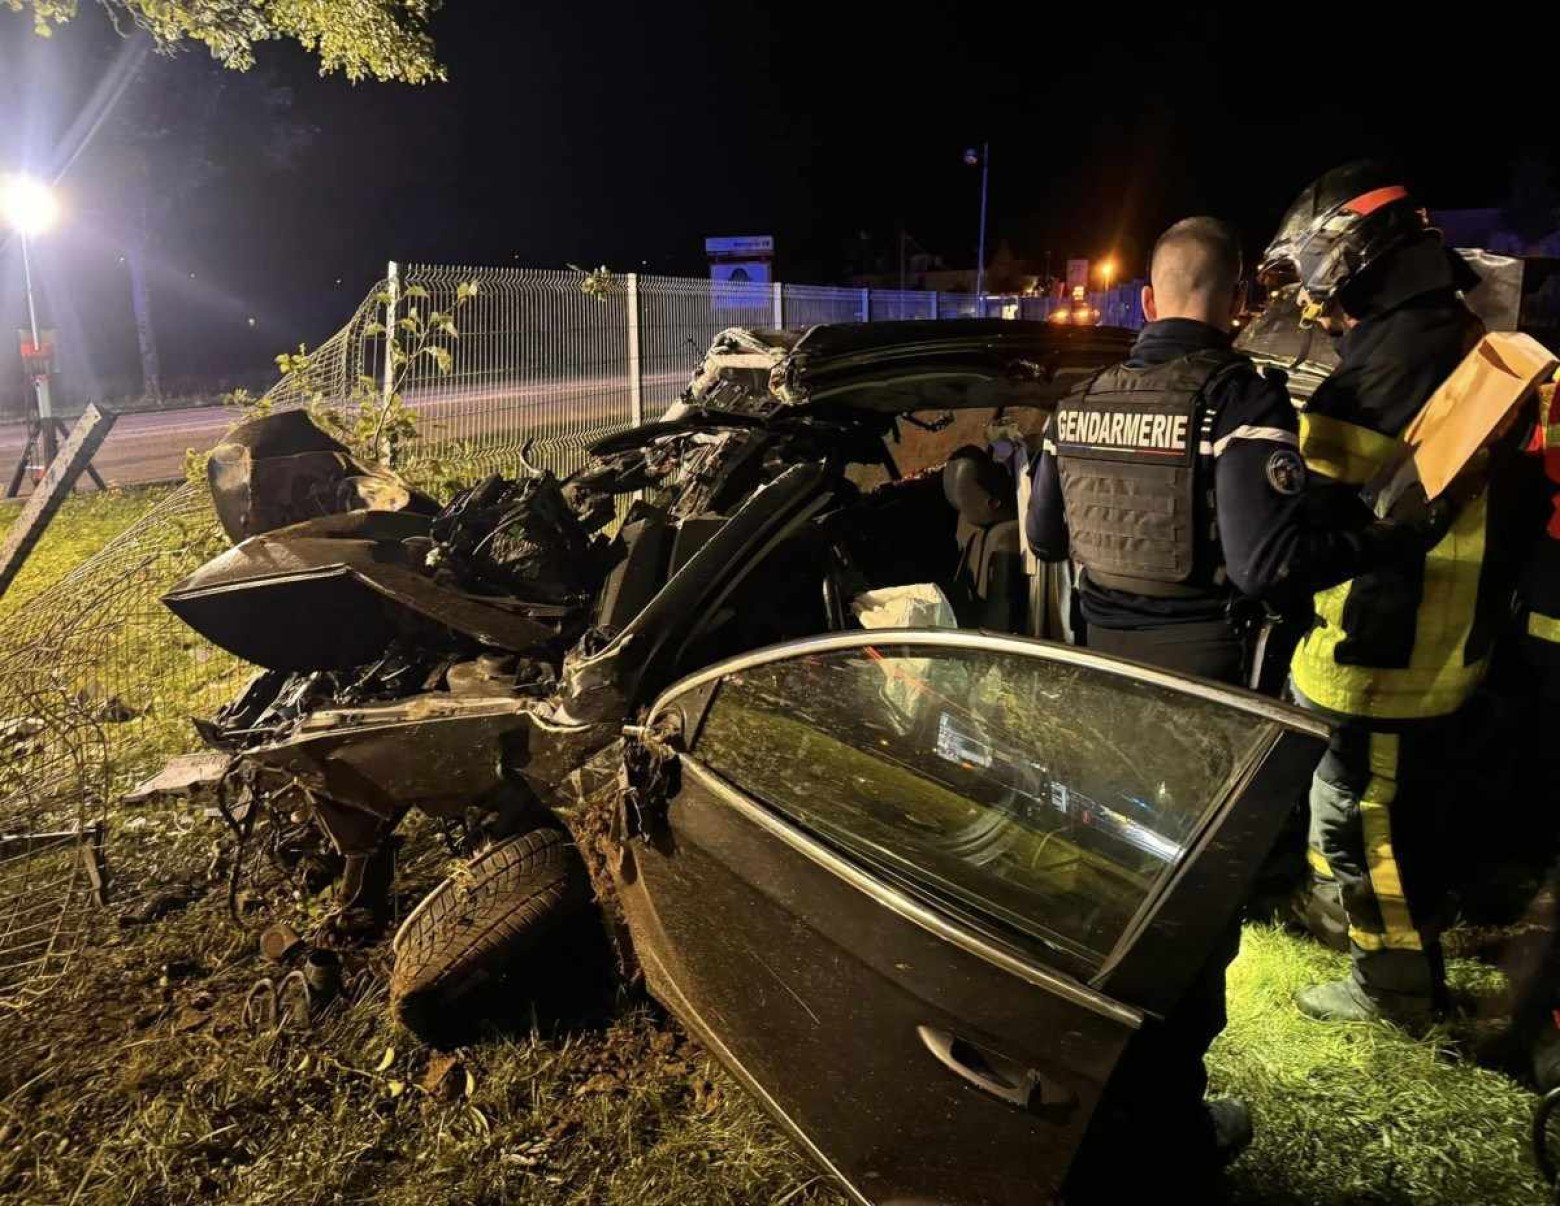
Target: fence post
[934, 303]
[387, 389]
[636, 384]
[866, 305]
[779, 305]
[392, 303]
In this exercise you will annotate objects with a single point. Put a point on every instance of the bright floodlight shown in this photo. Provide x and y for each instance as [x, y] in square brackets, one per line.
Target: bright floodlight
[26, 203]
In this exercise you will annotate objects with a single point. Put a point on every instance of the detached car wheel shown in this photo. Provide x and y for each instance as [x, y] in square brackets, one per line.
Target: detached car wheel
[466, 931]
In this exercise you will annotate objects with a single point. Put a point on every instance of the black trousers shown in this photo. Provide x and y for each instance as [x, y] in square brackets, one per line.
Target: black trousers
[1205, 649]
[1153, 1105]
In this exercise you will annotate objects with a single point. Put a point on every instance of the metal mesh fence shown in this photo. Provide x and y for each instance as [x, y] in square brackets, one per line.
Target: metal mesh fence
[98, 680]
[538, 370]
[677, 318]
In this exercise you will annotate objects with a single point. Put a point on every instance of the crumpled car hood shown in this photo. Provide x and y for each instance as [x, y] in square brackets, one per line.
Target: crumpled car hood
[334, 592]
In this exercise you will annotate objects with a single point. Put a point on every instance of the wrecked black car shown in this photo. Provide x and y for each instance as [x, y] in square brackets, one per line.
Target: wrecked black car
[914, 875]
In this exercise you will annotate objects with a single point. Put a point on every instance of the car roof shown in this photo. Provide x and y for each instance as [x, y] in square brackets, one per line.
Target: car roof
[897, 367]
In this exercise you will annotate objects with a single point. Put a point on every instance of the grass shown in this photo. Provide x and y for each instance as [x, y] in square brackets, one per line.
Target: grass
[140, 1085]
[137, 1083]
[1363, 1114]
[85, 523]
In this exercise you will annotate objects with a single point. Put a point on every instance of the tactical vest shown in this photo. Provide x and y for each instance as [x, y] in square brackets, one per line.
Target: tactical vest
[1404, 641]
[1134, 450]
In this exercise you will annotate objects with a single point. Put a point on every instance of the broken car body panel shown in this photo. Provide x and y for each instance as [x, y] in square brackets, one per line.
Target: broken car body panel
[333, 592]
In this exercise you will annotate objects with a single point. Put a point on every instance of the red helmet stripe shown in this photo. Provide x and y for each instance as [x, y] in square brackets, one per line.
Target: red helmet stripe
[1369, 203]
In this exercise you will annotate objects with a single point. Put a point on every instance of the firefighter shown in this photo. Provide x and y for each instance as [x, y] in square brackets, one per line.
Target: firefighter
[1175, 482]
[1395, 652]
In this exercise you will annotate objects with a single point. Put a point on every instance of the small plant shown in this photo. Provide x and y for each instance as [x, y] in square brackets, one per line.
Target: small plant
[371, 418]
[598, 283]
[375, 420]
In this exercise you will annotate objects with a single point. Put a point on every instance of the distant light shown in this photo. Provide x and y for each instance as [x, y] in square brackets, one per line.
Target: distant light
[192, 276]
[250, 321]
[338, 280]
[28, 205]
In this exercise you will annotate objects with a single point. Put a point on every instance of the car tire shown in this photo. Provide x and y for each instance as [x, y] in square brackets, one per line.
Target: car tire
[477, 922]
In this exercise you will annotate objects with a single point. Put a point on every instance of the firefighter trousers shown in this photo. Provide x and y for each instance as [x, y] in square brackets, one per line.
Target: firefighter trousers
[1378, 837]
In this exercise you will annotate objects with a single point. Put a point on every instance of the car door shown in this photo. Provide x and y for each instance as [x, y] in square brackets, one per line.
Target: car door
[918, 889]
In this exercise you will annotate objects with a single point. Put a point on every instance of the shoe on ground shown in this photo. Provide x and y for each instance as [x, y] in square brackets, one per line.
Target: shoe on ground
[1231, 1127]
[1546, 1058]
[1345, 1001]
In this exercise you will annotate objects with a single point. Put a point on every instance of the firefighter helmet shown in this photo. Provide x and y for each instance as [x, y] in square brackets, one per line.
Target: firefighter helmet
[1344, 221]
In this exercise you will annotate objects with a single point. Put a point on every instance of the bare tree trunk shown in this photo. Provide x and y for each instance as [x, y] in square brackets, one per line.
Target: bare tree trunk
[145, 333]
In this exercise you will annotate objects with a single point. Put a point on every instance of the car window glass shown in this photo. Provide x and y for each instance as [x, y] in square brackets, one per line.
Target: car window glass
[1042, 798]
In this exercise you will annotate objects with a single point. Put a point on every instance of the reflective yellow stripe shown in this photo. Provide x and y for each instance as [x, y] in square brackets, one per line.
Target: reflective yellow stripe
[1437, 680]
[1549, 418]
[1380, 863]
[1345, 452]
[1545, 628]
[1365, 939]
[1318, 862]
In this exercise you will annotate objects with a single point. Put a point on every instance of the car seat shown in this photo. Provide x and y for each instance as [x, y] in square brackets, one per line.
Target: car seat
[990, 587]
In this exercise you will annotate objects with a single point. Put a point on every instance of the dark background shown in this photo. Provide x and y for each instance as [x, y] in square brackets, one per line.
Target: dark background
[620, 135]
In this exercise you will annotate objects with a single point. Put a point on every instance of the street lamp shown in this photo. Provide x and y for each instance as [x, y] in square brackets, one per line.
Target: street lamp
[30, 209]
[983, 158]
[1107, 274]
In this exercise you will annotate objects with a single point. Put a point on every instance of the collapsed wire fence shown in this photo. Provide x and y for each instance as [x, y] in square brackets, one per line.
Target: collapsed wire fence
[99, 681]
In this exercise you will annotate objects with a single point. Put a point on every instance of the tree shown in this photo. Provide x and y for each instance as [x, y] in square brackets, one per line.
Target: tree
[379, 39]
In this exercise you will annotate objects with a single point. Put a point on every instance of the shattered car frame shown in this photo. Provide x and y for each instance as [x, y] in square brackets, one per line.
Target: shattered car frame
[916, 888]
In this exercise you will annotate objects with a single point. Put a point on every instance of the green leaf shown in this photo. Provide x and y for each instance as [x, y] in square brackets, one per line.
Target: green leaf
[465, 290]
[374, 328]
[416, 291]
[441, 357]
[447, 327]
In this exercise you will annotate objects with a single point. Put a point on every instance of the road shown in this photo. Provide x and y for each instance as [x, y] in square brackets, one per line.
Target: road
[150, 447]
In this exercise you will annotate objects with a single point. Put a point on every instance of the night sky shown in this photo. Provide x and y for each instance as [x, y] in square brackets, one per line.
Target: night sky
[605, 133]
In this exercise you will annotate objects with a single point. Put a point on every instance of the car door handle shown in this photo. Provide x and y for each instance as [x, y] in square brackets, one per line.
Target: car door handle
[1004, 1078]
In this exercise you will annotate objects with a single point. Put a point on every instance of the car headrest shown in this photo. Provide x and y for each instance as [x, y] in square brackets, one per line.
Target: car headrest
[979, 489]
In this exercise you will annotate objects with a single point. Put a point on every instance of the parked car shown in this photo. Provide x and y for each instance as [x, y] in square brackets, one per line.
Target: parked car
[915, 888]
[1077, 312]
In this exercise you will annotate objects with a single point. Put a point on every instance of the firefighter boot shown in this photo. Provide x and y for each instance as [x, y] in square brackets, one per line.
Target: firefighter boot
[1345, 1001]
